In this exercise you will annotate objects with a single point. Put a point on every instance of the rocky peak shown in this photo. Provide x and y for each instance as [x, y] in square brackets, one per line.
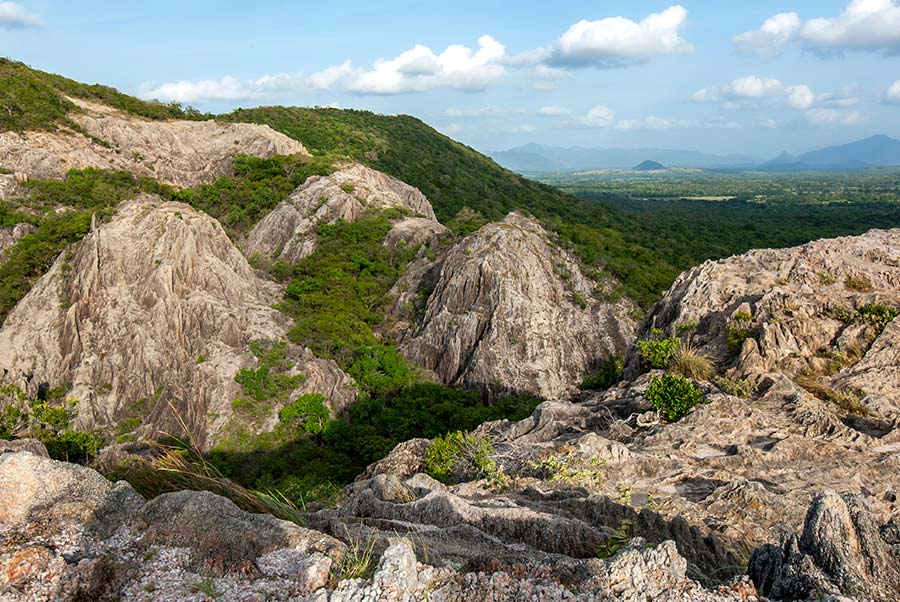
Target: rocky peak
[812, 312]
[288, 233]
[180, 153]
[512, 312]
[155, 305]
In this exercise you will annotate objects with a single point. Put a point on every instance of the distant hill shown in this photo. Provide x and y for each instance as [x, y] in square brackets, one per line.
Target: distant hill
[533, 158]
[648, 166]
[875, 151]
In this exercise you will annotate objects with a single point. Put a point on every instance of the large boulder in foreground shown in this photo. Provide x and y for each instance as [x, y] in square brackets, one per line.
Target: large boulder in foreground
[512, 312]
[841, 551]
[180, 153]
[288, 233]
[153, 309]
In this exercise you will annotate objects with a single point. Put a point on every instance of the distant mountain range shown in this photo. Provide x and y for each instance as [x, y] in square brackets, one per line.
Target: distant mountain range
[875, 151]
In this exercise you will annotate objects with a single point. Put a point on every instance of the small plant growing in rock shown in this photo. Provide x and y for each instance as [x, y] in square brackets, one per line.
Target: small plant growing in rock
[618, 540]
[860, 284]
[685, 327]
[609, 374]
[673, 396]
[690, 361]
[841, 313]
[878, 316]
[737, 331]
[658, 353]
[827, 278]
[579, 299]
[737, 388]
[358, 561]
[568, 468]
[457, 457]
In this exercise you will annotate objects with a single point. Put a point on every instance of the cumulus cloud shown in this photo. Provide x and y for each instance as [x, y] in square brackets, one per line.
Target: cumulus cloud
[14, 16]
[892, 96]
[753, 91]
[599, 116]
[226, 89]
[604, 117]
[554, 111]
[418, 70]
[615, 41]
[863, 25]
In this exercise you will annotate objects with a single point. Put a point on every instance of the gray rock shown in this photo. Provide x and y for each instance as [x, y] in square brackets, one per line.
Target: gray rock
[180, 153]
[128, 313]
[288, 233]
[511, 312]
[10, 236]
[30, 445]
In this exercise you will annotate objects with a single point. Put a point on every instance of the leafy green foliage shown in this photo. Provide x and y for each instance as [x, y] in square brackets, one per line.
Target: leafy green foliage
[878, 316]
[618, 540]
[338, 294]
[458, 457]
[379, 370]
[34, 100]
[673, 396]
[609, 374]
[309, 412]
[658, 353]
[257, 186]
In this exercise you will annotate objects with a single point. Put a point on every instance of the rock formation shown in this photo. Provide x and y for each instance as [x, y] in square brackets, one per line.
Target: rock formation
[799, 311]
[511, 312]
[10, 236]
[288, 233]
[66, 533]
[180, 153]
[155, 306]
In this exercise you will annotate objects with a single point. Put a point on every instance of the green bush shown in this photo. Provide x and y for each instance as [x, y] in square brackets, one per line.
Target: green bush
[458, 457]
[658, 354]
[878, 316]
[609, 374]
[379, 370]
[673, 396]
[309, 412]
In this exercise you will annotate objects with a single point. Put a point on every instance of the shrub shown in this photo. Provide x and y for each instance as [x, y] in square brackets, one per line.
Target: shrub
[609, 374]
[690, 361]
[569, 469]
[309, 412]
[737, 332]
[673, 396]
[878, 316]
[459, 457]
[658, 353]
[858, 283]
[841, 313]
[379, 370]
[738, 388]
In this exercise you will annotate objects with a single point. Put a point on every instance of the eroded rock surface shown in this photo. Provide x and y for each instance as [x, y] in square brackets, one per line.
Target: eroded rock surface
[156, 306]
[288, 233]
[66, 533]
[511, 312]
[10, 236]
[796, 311]
[180, 153]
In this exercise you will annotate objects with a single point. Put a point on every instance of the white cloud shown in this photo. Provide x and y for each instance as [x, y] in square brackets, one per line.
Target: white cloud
[14, 16]
[599, 116]
[892, 96]
[554, 111]
[419, 69]
[864, 25]
[826, 116]
[476, 112]
[615, 41]
[547, 78]
[753, 91]
[226, 89]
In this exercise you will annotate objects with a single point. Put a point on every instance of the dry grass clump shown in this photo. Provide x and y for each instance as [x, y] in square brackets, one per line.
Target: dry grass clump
[692, 362]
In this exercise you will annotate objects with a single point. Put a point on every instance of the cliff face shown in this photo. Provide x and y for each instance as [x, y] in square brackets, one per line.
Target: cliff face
[288, 233]
[813, 312]
[180, 153]
[156, 305]
[511, 312]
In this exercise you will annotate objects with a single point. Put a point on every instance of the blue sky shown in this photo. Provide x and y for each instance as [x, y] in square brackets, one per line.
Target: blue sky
[712, 76]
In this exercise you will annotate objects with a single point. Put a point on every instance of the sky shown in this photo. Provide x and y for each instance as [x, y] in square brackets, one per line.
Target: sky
[752, 78]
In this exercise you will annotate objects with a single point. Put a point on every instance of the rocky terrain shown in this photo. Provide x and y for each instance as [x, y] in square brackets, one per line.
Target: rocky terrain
[156, 306]
[289, 232]
[512, 312]
[180, 153]
[10, 236]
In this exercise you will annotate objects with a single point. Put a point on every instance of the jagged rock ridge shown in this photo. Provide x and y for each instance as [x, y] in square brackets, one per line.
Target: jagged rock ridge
[180, 153]
[512, 312]
[155, 305]
[288, 233]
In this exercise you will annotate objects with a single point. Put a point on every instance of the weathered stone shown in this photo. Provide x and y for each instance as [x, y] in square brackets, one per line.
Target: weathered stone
[511, 312]
[180, 153]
